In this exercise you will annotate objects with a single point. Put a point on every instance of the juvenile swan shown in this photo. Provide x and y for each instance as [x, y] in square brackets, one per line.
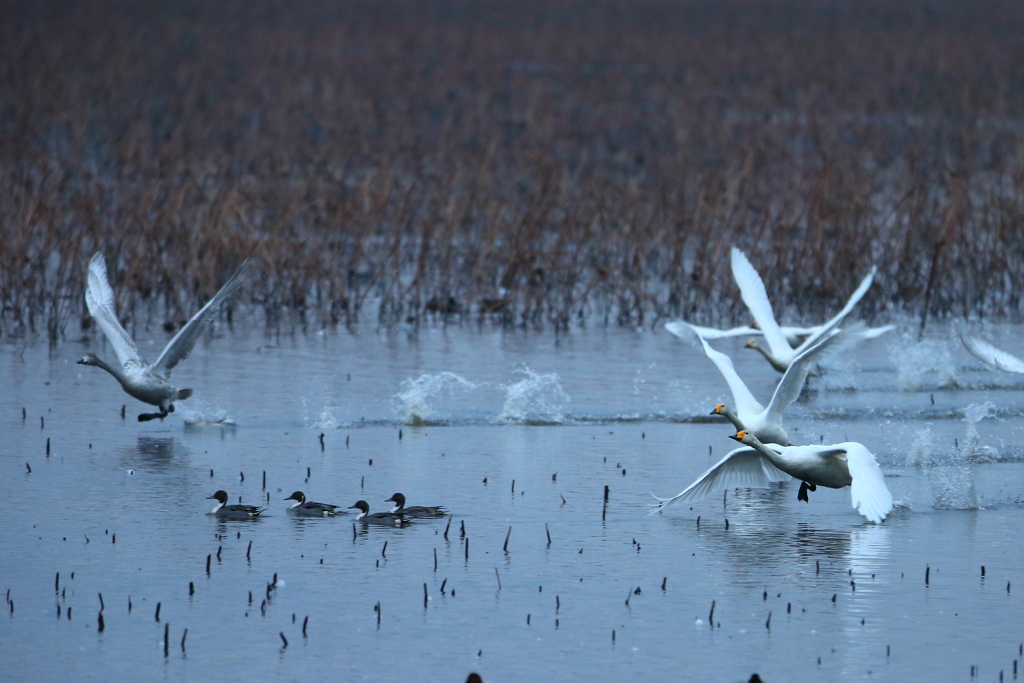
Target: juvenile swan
[148, 383]
[835, 466]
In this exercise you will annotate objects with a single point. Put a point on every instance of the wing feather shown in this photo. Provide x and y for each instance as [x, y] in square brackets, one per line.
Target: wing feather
[756, 298]
[182, 344]
[868, 493]
[989, 354]
[741, 468]
[99, 298]
[855, 298]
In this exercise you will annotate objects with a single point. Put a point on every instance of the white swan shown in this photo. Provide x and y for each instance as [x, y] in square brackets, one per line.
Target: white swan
[779, 353]
[148, 383]
[766, 423]
[794, 335]
[989, 354]
[834, 466]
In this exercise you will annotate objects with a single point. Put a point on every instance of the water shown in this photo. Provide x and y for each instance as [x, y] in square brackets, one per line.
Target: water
[454, 416]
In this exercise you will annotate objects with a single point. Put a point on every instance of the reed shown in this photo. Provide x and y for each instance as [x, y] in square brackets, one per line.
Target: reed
[536, 163]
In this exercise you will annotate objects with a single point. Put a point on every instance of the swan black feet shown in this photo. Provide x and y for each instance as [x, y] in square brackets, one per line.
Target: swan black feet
[804, 488]
[146, 417]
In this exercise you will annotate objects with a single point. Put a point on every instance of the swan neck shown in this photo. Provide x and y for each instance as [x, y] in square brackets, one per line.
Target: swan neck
[729, 415]
[116, 372]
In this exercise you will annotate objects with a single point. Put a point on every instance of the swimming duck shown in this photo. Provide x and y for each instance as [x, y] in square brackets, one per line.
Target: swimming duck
[382, 518]
[148, 383]
[225, 511]
[310, 509]
[416, 511]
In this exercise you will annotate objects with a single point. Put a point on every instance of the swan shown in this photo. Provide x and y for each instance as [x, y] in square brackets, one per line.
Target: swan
[779, 353]
[794, 335]
[766, 423]
[832, 466]
[990, 355]
[148, 383]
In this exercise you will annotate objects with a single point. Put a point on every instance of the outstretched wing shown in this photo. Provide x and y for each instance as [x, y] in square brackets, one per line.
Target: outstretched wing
[792, 381]
[857, 295]
[756, 298]
[680, 328]
[745, 402]
[182, 344]
[868, 492]
[989, 354]
[99, 298]
[741, 468]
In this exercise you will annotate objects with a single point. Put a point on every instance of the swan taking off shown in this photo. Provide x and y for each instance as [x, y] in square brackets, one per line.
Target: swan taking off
[779, 353]
[148, 383]
[990, 355]
[835, 466]
[766, 423]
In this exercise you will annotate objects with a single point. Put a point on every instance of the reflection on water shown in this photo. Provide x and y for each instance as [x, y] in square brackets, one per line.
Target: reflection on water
[155, 453]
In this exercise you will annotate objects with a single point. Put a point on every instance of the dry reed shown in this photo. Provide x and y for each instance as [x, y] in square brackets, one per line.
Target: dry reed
[531, 162]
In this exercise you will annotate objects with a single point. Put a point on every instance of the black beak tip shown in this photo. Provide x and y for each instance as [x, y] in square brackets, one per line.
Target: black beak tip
[734, 437]
[80, 361]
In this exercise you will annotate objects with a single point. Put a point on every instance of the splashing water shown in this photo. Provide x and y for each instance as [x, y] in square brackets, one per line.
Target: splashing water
[198, 416]
[417, 401]
[535, 399]
[916, 360]
[972, 448]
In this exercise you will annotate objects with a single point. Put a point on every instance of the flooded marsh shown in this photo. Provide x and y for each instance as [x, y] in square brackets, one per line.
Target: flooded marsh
[505, 430]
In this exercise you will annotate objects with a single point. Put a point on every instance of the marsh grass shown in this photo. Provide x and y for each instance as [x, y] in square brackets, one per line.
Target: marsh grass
[531, 163]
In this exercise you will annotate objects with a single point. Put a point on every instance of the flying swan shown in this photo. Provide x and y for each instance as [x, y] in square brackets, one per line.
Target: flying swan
[148, 383]
[757, 466]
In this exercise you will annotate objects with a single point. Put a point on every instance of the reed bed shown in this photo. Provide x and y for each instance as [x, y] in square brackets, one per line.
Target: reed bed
[534, 163]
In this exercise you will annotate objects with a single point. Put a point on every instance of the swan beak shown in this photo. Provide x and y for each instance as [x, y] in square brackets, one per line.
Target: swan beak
[390, 500]
[750, 344]
[735, 437]
[211, 498]
[353, 507]
[717, 410]
[80, 361]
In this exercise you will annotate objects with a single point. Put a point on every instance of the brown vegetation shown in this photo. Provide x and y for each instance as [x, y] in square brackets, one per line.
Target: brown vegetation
[533, 161]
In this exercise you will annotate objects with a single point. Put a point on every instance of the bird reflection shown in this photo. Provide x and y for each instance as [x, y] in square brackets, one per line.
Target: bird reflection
[762, 539]
[154, 454]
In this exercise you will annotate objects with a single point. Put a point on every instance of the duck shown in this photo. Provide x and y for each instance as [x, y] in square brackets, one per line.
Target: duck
[779, 353]
[225, 511]
[416, 511]
[766, 423]
[303, 508]
[990, 355]
[381, 518]
[146, 382]
[833, 466]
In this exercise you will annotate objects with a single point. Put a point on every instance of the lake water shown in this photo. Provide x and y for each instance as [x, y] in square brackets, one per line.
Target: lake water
[508, 430]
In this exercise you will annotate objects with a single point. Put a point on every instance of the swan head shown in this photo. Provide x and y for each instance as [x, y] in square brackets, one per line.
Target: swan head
[752, 344]
[743, 436]
[755, 325]
[89, 359]
[719, 409]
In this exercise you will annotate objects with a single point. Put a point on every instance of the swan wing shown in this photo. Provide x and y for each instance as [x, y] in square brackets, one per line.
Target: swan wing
[741, 468]
[792, 381]
[182, 344]
[989, 354]
[873, 332]
[746, 404]
[756, 299]
[99, 298]
[868, 492]
[855, 298]
[679, 328]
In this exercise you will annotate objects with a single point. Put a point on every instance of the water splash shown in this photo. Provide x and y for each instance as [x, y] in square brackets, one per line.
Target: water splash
[418, 400]
[916, 360]
[200, 416]
[535, 399]
[972, 448]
